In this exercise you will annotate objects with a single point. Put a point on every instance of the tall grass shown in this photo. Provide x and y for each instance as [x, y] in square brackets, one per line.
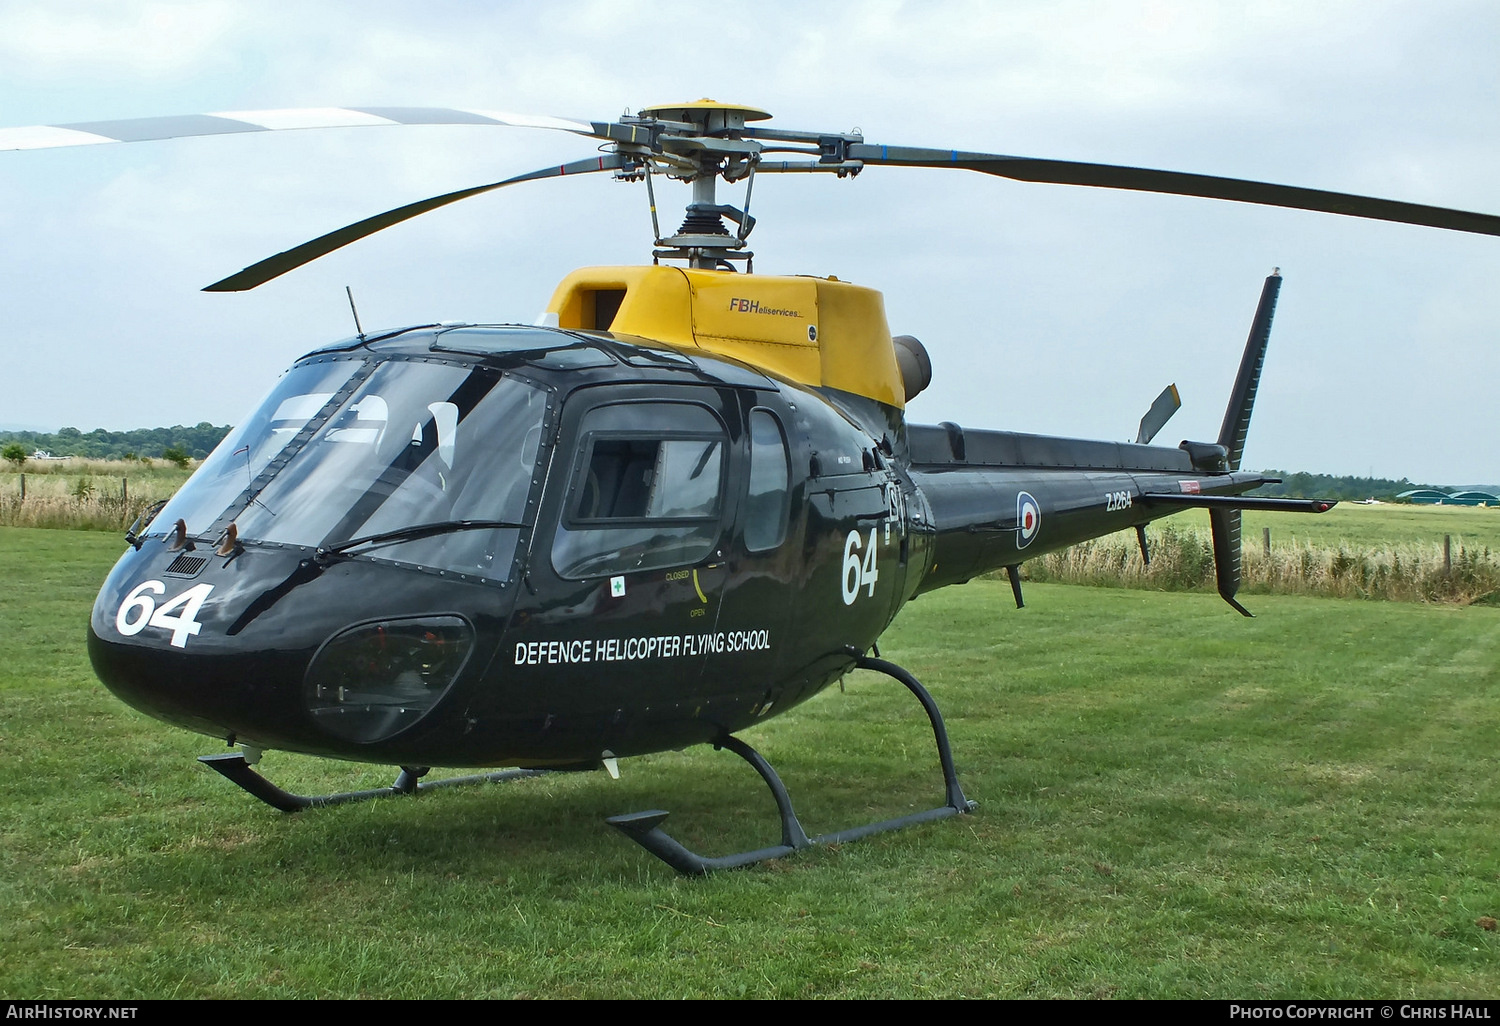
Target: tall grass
[107, 495]
[93, 495]
[1182, 560]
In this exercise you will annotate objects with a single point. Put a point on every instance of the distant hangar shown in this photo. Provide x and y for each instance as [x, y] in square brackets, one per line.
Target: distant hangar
[1433, 497]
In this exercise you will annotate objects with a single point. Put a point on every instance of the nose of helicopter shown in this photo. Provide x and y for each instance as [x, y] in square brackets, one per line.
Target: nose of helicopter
[277, 648]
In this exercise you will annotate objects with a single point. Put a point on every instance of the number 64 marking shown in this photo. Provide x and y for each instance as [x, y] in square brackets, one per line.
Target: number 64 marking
[139, 611]
[857, 573]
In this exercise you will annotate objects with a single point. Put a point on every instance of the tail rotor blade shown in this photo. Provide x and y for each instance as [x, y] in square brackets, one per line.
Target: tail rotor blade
[1166, 404]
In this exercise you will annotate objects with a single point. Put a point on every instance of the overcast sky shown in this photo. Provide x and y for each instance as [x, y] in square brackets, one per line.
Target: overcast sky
[1046, 308]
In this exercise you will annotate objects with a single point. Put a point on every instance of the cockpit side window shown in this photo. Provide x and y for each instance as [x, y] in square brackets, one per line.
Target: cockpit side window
[766, 508]
[646, 490]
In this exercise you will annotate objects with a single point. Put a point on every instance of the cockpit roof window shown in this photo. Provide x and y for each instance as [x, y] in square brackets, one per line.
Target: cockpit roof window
[539, 347]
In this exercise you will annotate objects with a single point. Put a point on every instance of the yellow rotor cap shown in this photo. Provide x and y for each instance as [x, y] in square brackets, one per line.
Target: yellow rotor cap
[709, 113]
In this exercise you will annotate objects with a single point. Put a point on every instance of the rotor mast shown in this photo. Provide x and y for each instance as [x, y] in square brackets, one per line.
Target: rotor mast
[699, 143]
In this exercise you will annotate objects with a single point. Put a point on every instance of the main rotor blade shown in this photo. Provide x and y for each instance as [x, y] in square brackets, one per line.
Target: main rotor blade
[1141, 179]
[274, 267]
[87, 133]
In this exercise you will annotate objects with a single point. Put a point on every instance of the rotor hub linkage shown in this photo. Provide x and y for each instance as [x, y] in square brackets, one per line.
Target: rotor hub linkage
[702, 220]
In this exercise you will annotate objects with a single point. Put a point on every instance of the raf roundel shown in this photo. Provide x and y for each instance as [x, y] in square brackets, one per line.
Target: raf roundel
[1028, 519]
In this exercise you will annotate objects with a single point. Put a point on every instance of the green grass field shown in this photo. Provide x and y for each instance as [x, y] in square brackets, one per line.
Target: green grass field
[1373, 526]
[1174, 802]
[100, 495]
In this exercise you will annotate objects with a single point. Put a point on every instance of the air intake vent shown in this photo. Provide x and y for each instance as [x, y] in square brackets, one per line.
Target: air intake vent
[187, 566]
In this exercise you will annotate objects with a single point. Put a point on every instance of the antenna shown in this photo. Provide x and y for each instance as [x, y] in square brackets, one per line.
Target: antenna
[352, 309]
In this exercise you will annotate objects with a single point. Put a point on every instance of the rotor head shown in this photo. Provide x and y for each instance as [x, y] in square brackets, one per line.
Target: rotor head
[698, 143]
[707, 116]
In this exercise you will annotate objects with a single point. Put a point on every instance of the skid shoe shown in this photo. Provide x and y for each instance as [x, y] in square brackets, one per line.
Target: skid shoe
[235, 767]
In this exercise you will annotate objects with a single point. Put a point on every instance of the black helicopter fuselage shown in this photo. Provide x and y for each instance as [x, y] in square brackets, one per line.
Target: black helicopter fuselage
[486, 546]
[685, 501]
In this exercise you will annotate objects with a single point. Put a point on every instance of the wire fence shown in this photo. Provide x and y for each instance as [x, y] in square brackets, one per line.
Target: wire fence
[1445, 570]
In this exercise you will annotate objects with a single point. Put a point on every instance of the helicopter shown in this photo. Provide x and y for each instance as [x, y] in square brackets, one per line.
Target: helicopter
[685, 500]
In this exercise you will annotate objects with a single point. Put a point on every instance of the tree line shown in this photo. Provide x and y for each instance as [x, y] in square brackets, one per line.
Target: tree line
[196, 441]
[1328, 486]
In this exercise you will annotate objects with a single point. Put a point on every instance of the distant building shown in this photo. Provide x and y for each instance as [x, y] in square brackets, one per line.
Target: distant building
[1424, 496]
[1433, 497]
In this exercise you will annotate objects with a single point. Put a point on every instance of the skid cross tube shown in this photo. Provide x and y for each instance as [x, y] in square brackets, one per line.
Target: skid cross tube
[645, 827]
[236, 768]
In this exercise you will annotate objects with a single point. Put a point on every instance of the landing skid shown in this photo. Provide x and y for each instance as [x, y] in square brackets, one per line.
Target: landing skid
[234, 766]
[645, 827]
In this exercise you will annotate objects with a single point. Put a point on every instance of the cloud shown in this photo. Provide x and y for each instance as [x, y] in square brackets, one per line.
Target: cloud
[66, 37]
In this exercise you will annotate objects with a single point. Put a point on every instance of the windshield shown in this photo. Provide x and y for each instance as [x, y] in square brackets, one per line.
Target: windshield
[345, 451]
[246, 451]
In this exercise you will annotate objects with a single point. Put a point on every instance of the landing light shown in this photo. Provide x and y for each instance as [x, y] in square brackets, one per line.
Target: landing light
[369, 682]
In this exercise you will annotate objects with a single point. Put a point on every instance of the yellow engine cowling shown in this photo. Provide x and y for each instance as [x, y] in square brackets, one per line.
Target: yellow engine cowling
[816, 331]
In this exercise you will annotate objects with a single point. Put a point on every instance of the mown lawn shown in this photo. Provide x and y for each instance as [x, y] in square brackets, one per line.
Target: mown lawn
[1174, 802]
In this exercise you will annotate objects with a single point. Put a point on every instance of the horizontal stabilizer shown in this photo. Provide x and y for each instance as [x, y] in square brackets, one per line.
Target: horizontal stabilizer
[1185, 501]
[1224, 515]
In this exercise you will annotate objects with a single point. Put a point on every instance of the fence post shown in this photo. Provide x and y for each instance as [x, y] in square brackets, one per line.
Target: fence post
[23, 487]
[124, 490]
[1268, 542]
[1447, 553]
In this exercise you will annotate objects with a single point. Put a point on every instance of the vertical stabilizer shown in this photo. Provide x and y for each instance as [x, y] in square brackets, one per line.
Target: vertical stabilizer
[1226, 528]
[1226, 522]
[1242, 399]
